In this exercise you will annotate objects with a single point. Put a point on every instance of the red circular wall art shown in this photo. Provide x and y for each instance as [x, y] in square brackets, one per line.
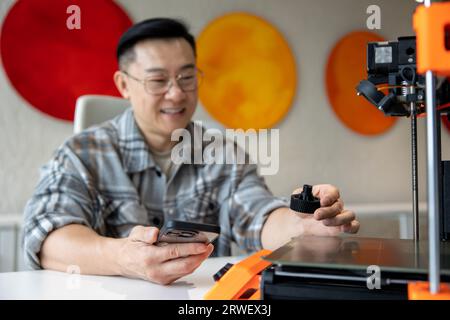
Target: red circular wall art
[50, 62]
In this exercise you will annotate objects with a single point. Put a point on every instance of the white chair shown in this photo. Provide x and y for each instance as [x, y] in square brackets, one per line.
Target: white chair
[94, 109]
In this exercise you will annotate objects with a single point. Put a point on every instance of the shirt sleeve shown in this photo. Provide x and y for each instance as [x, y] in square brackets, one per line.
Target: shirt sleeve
[251, 204]
[63, 196]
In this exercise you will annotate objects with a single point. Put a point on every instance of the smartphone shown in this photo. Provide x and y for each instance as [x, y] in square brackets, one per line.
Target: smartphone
[175, 231]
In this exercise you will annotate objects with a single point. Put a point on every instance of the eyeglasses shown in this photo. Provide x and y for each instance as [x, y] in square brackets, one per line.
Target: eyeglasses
[160, 84]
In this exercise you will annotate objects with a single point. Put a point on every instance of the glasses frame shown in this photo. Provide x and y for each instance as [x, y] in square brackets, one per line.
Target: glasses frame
[198, 74]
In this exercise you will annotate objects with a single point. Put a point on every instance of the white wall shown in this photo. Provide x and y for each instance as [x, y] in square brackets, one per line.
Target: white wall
[315, 146]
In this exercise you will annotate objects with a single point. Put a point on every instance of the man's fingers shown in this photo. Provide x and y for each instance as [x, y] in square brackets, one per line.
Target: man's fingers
[145, 234]
[298, 190]
[179, 250]
[352, 227]
[177, 268]
[345, 217]
[327, 194]
[186, 265]
[329, 212]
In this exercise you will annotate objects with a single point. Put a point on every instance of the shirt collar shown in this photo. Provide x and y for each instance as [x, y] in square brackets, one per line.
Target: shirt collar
[136, 154]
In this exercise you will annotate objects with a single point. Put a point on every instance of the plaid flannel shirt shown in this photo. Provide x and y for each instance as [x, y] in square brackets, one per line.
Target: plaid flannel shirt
[105, 178]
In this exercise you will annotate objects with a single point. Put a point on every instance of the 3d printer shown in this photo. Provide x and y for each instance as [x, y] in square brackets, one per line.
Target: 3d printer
[392, 66]
[335, 268]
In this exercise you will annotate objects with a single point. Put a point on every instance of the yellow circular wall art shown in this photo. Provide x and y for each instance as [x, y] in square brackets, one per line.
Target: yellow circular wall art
[249, 72]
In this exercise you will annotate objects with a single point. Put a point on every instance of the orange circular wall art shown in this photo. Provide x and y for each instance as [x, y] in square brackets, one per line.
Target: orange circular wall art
[250, 73]
[346, 67]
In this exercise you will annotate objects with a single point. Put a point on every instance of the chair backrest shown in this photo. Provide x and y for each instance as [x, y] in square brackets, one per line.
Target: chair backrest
[94, 109]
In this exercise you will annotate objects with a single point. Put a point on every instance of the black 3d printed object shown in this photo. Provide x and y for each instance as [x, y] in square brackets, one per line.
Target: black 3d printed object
[305, 202]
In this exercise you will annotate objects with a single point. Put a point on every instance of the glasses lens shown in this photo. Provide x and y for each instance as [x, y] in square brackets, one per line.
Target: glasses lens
[156, 85]
[188, 82]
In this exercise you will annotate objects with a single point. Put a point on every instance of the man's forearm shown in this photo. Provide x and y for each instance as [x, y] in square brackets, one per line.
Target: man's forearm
[81, 246]
[279, 228]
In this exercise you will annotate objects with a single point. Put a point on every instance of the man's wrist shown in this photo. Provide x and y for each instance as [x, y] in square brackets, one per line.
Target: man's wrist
[108, 249]
[281, 225]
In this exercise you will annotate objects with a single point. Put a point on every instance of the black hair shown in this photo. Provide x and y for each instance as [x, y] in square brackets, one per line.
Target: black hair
[155, 28]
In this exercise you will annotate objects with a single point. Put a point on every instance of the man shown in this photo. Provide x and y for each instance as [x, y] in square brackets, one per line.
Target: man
[103, 197]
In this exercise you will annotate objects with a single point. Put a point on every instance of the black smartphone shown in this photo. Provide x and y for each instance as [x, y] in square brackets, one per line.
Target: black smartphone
[175, 231]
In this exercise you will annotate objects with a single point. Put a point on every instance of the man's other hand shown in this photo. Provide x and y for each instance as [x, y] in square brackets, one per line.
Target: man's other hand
[331, 218]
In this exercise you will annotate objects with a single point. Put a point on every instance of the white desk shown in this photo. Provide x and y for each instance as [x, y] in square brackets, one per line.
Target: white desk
[58, 285]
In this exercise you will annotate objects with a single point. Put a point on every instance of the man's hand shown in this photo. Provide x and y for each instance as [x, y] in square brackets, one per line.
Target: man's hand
[140, 258]
[331, 218]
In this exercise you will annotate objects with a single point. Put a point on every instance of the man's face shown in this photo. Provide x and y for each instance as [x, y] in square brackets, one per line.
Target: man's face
[158, 60]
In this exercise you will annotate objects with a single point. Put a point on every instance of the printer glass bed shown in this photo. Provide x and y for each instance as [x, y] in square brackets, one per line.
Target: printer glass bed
[356, 254]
